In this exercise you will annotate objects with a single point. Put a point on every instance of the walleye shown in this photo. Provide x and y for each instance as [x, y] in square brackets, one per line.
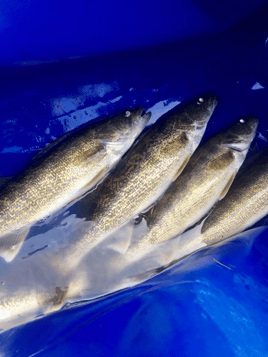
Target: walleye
[63, 171]
[146, 172]
[244, 205]
[205, 180]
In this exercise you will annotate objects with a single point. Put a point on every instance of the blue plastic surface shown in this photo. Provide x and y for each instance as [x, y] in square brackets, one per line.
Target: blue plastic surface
[198, 308]
[33, 31]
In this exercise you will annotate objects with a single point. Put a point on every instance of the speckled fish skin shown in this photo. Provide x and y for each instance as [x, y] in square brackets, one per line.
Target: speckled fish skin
[245, 204]
[205, 180]
[73, 166]
[147, 171]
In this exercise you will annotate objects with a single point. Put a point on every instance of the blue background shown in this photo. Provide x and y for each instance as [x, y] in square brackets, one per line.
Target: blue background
[152, 55]
[32, 31]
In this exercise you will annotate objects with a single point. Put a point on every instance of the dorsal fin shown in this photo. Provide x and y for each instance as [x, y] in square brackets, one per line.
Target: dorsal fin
[49, 147]
[227, 187]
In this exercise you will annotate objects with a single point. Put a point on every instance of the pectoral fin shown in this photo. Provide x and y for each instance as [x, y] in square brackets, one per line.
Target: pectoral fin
[95, 180]
[145, 214]
[99, 150]
[185, 162]
[11, 243]
[226, 188]
[49, 147]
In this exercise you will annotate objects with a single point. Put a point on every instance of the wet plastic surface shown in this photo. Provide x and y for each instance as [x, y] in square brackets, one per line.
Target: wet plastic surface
[199, 306]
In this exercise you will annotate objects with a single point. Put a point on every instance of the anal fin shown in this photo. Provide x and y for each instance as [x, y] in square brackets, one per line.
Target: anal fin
[90, 185]
[11, 243]
[95, 180]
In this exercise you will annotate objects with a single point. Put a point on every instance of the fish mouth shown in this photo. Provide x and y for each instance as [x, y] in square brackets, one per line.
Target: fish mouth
[252, 121]
[141, 111]
[246, 126]
[145, 116]
[244, 131]
[209, 98]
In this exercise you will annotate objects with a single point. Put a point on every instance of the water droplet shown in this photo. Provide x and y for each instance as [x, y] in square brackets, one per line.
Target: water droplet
[127, 113]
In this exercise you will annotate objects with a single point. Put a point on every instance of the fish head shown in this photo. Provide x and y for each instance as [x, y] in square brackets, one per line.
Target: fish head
[128, 124]
[197, 113]
[189, 121]
[240, 135]
[184, 126]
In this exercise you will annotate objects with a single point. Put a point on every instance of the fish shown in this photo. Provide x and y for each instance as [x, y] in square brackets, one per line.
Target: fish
[63, 171]
[243, 206]
[25, 302]
[205, 180]
[148, 169]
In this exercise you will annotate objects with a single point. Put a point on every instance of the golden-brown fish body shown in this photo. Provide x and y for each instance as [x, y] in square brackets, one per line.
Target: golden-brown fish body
[72, 166]
[146, 172]
[205, 180]
[244, 205]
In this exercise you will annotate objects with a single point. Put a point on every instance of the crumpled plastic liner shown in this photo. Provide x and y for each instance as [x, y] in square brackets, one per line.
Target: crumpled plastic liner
[207, 300]
[213, 302]
[105, 268]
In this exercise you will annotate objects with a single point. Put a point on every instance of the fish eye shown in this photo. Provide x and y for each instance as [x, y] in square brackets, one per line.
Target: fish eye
[200, 100]
[127, 113]
[242, 121]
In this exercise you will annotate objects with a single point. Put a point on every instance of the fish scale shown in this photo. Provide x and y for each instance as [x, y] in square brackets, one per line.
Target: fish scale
[205, 180]
[245, 204]
[132, 199]
[144, 174]
[64, 171]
